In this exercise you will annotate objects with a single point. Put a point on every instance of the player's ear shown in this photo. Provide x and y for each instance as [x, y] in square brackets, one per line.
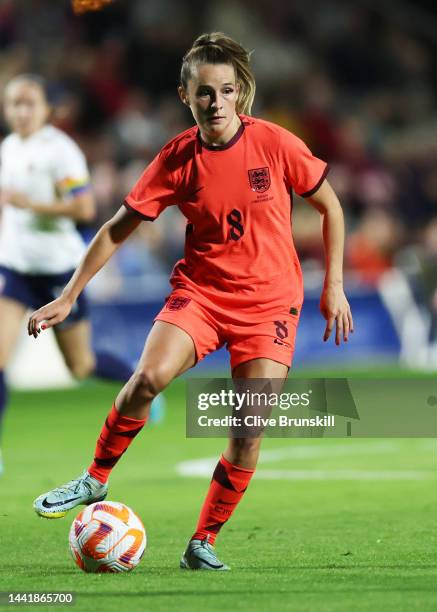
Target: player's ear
[183, 95]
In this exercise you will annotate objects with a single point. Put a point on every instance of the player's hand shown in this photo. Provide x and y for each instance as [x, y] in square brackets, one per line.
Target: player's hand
[48, 316]
[336, 310]
[16, 198]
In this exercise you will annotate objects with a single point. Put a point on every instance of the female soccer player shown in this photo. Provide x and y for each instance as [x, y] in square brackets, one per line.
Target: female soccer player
[240, 282]
[44, 191]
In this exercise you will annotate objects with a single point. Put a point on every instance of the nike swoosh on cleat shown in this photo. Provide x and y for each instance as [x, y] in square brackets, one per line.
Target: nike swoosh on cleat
[211, 565]
[47, 504]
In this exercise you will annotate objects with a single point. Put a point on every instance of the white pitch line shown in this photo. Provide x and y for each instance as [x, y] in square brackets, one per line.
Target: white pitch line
[205, 466]
[312, 451]
[343, 475]
[205, 471]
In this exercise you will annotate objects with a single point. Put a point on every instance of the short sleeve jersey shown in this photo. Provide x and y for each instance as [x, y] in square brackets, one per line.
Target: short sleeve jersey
[46, 167]
[237, 199]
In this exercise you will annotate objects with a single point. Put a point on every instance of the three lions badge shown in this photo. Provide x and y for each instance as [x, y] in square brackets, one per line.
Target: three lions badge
[259, 179]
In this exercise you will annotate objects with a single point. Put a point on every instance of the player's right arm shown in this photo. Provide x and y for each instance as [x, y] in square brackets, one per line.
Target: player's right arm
[107, 240]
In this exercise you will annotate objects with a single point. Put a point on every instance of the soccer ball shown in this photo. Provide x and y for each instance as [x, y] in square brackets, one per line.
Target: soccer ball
[107, 537]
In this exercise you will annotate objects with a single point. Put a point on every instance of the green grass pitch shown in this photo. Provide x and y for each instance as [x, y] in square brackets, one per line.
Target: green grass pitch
[308, 543]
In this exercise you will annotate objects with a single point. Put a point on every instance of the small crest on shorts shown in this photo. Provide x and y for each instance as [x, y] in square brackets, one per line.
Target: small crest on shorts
[259, 179]
[177, 303]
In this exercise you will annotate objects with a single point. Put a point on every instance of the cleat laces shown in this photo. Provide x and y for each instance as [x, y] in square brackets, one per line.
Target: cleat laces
[74, 486]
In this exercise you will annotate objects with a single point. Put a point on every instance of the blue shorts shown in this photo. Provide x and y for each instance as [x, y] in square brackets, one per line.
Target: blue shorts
[36, 290]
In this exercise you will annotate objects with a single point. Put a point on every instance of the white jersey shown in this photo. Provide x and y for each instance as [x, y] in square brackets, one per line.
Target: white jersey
[46, 166]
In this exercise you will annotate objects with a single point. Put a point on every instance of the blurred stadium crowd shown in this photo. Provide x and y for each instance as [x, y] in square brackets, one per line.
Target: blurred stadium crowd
[355, 80]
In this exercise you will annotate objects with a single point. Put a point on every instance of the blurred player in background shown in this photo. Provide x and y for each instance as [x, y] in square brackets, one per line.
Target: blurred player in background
[45, 191]
[240, 283]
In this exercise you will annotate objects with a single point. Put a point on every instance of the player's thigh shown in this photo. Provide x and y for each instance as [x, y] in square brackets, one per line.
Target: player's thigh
[168, 352]
[11, 317]
[258, 376]
[182, 334]
[261, 368]
[262, 377]
[74, 342]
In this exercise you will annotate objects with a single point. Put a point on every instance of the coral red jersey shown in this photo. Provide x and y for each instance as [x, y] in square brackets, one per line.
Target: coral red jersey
[237, 200]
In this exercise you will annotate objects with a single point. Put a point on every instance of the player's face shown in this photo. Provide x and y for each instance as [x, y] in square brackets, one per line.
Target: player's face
[25, 106]
[212, 94]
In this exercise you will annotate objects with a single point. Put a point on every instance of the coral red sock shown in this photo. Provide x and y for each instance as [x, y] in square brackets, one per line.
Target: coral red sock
[116, 435]
[227, 487]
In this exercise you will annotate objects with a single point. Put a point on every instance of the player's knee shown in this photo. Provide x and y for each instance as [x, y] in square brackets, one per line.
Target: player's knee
[150, 381]
[82, 368]
[242, 447]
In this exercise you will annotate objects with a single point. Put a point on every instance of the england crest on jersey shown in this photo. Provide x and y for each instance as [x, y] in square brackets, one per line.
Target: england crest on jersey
[259, 179]
[177, 303]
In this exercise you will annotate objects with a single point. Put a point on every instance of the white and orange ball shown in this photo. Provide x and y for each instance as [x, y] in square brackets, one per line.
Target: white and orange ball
[107, 537]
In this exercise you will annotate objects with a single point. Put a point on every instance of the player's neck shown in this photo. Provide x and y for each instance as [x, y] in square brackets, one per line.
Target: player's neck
[225, 137]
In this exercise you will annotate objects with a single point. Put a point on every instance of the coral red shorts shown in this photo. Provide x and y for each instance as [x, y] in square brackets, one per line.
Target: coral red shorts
[211, 328]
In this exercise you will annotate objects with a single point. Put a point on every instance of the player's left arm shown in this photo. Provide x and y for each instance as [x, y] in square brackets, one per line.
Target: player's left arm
[333, 303]
[78, 206]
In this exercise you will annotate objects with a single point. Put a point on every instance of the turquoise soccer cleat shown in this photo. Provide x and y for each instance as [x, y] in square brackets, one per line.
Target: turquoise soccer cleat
[80, 491]
[200, 555]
